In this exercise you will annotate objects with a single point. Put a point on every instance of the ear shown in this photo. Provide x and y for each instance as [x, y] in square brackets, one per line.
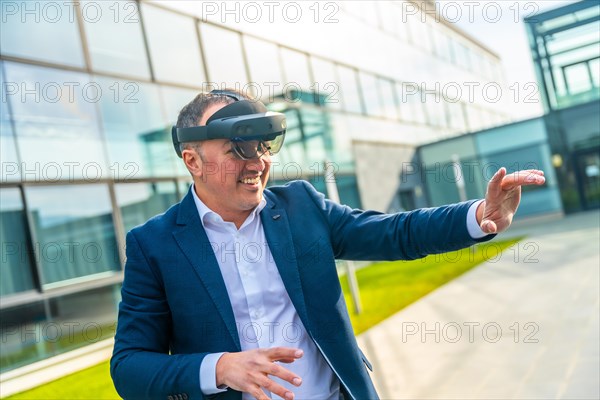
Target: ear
[192, 162]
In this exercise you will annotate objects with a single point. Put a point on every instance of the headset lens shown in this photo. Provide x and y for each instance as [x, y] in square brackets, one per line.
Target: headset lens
[250, 149]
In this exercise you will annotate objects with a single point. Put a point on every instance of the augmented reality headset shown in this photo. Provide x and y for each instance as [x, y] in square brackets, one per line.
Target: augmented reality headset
[252, 130]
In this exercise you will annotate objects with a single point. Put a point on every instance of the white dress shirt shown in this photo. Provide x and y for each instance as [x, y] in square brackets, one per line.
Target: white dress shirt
[264, 314]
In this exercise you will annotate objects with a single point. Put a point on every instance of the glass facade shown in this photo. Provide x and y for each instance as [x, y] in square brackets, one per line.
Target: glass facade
[459, 168]
[565, 44]
[90, 90]
[565, 142]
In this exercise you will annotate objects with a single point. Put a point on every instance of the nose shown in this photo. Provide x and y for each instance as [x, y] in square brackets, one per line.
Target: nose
[258, 164]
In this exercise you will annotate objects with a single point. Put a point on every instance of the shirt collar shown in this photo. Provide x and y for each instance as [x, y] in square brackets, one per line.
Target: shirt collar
[208, 215]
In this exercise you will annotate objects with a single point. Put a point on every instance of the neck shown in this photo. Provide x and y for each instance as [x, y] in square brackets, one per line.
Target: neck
[236, 217]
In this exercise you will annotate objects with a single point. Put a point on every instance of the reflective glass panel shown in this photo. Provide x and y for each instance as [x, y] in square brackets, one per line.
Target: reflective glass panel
[174, 99]
[56, 124]
[41, 30]
[173, 44]
[457, 116]
[349, 89]
[388, 98]
[224, 60]
[15, 267]
[326, 83]
[125, 56]
[183, 186]
[264, 65]
[74, 230]
[141, 201]
[11, 170]
[371, 96]
[578, 79]
[83, 318]
[595, 70]
[411, 104]
[295, 67]
[138, 141]
[21, 331]
[435, 109]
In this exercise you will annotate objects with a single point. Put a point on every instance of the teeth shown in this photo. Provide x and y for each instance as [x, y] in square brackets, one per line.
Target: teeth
[252, 181]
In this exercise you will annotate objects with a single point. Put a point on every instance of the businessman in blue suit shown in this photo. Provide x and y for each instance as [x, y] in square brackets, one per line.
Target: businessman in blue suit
[233, 292]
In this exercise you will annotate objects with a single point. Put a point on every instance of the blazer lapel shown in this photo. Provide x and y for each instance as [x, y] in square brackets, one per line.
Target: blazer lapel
[279, 236]
[194, 243]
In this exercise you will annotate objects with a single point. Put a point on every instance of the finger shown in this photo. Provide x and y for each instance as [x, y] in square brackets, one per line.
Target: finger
[258, 393]
[494, 185]
[276, 388]
[287, 360]
[522, 178]
[489, 226]
[284, 353]
[284, 374]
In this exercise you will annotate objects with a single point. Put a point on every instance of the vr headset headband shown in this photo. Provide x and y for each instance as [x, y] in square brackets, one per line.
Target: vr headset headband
[242, 120]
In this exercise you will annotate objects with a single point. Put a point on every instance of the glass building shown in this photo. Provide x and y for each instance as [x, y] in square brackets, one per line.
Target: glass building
[565, 142]
[90, 90]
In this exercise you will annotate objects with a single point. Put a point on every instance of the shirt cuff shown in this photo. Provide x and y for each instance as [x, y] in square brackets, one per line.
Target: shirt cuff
[208, 374]
[472, 225]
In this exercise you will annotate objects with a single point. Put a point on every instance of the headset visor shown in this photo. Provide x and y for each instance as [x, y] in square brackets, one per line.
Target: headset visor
[247, 149]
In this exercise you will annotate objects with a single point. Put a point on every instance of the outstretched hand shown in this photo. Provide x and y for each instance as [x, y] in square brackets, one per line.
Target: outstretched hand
[503, 196]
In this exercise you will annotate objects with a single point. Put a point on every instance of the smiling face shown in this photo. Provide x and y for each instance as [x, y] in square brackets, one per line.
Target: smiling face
[227, 185]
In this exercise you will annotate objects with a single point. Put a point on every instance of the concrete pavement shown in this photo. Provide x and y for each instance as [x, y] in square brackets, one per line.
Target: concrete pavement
[524, 325]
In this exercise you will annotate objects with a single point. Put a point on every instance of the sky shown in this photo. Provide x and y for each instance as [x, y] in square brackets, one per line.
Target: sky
[500, 27]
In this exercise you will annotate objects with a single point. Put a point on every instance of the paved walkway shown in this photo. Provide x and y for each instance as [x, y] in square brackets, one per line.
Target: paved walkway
[525, 325]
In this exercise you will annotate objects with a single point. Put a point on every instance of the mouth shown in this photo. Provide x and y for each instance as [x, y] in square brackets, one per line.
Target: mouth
[251, 181]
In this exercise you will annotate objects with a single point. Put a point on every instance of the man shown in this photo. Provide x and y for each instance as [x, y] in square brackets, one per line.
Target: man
[236, 279]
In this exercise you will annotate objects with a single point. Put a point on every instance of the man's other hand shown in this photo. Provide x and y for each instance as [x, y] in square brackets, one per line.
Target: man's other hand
[503, 196]
[248, 371]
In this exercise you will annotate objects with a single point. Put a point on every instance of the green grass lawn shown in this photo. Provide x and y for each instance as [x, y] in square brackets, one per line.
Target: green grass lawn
[388, 287]
[91, 383]
[385, 289]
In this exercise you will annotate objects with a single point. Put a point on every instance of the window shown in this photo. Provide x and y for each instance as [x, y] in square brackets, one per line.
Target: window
[224, 60]
[577, 78]
[435, 109]
[456, 116]
[388, 98]
[74, 230]
[295, 68]
[173, 100]
[138, 140]
[56, 124]
[11, 170]
[410, 102]
[17, 350]
[125, 56]
[84, 318]
[173, 44]
[44, 31]
[349, 89]
[265, 69]
[371, 94]
[140, 201]
[326, 83]
[594, 66]
[16, 266]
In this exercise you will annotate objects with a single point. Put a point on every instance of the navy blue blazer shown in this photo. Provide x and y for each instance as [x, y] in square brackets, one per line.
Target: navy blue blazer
[175, 308]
